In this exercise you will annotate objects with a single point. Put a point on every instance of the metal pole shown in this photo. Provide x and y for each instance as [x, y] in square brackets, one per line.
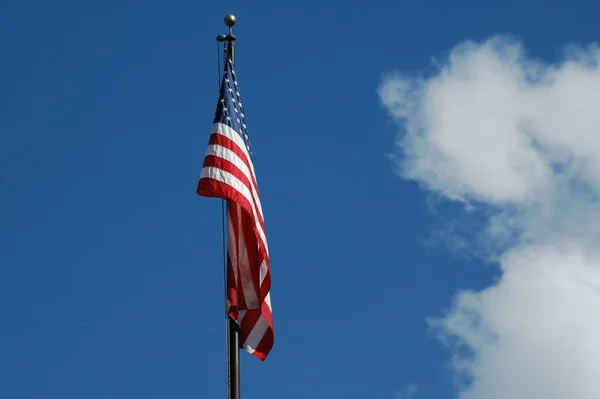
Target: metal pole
[233, 359]
[233, 341]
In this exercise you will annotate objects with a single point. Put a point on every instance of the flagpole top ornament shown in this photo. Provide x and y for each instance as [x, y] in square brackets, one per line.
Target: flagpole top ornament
[230, 20]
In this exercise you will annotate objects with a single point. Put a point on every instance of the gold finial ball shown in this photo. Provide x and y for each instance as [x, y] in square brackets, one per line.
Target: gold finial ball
[230, 20]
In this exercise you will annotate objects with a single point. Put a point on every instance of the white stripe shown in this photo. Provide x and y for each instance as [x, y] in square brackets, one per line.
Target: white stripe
[241, 314]
[256, 335]
[231, 134]
[226, 153]
[263, 271]
[211, 172]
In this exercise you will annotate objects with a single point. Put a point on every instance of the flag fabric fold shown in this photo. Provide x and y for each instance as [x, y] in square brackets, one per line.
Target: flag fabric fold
[228, 173]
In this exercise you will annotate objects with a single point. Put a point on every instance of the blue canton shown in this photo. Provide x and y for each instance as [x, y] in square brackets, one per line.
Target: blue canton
[229, 109]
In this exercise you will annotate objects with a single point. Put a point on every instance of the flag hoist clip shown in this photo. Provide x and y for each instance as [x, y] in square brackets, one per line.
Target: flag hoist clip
[230, 38]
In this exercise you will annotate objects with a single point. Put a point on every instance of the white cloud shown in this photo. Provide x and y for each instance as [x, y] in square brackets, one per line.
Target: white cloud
[408, 392]
[498, 130]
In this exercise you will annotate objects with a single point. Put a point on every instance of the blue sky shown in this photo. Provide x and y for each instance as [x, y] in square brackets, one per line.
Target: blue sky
[111, 281]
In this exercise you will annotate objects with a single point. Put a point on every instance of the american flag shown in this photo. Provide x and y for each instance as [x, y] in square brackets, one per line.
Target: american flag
[228, 173]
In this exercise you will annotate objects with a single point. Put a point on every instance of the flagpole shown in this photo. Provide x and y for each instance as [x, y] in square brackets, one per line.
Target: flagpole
[233, 335]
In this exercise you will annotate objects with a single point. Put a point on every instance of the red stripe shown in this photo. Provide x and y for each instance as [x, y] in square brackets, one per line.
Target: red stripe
[266, 343]
[248, 323]
[252, 256]
[232, 296]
